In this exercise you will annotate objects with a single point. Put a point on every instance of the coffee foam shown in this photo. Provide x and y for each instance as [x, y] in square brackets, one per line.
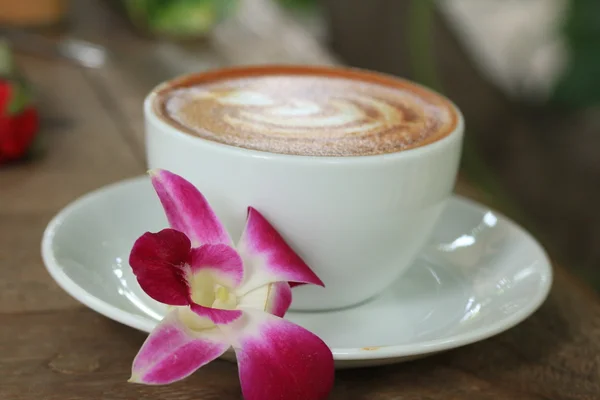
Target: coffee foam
[308, 114]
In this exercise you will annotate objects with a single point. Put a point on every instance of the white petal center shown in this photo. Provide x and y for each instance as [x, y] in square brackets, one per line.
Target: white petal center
[209, 292]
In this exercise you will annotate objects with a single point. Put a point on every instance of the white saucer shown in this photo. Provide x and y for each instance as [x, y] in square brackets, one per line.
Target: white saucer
[481, 275]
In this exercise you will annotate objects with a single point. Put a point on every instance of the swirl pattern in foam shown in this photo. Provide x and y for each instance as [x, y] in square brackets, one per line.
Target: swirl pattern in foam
[315, 114]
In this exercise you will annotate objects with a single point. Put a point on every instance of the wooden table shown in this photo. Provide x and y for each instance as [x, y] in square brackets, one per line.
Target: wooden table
[53, 348]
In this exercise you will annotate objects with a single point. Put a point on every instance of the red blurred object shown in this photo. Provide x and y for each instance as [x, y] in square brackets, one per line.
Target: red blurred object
[17, 130]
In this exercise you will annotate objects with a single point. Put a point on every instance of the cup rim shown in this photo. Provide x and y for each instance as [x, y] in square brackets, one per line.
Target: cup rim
[152, 116]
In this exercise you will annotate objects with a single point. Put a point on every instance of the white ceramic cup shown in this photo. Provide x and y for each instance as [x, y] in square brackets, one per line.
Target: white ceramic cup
[358, 222]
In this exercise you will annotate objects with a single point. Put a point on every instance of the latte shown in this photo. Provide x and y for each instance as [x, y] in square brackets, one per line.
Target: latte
[313, 111]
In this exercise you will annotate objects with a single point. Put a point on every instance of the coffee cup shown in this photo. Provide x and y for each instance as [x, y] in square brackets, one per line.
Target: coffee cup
[352, 167]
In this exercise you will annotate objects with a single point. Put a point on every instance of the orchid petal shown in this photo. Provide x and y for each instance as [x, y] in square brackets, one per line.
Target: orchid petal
[279, 299]
[278, 359]
[187, 210]
[173, 351]
[274, 298]
[268, 258]
[221, 261]
[157, 261]
[216, 315]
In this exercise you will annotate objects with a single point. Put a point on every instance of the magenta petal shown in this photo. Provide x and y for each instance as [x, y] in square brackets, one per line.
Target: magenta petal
[173, 352]
[216, 315]
[157, 260]
[279, 298]
[187, 210]
[220, 260]
[271, 258]
[280, 360]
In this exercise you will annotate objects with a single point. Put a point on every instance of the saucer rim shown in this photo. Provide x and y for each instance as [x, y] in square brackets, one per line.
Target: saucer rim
[340, 354]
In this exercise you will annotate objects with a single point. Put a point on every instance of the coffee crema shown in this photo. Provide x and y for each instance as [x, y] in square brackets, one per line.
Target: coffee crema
[311, 111]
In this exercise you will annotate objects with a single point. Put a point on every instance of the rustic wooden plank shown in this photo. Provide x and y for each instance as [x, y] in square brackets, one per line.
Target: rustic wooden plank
[83, 145]
[552, 355]
[24, 283]
[83, 149]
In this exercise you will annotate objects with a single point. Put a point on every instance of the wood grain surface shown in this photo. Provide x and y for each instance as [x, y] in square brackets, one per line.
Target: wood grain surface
[53, 348]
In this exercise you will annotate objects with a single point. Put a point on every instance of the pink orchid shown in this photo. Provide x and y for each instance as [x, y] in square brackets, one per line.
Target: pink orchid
[223, 297]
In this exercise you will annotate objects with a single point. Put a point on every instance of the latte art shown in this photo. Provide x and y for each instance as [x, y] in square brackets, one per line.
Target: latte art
[340, 117]
[309, 115]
